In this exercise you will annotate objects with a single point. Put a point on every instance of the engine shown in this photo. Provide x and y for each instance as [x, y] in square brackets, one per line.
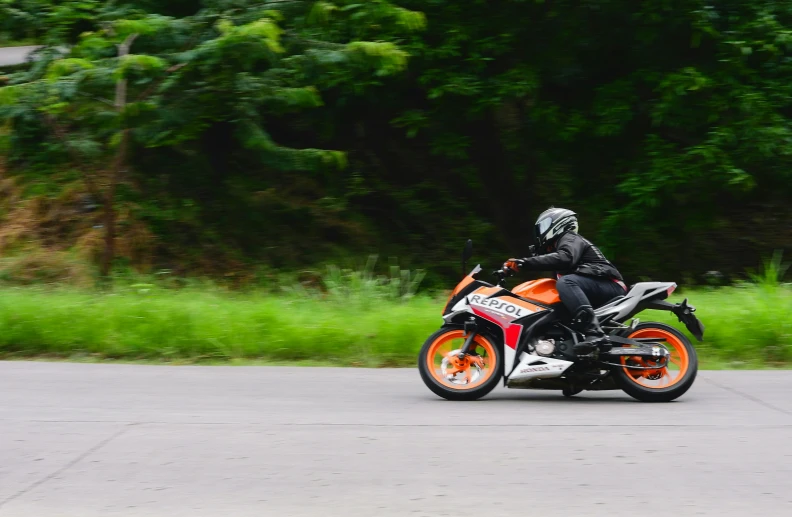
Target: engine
[545, 347]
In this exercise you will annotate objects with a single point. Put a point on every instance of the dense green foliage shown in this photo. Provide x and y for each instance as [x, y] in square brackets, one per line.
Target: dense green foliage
[287, 133]
[746, 326]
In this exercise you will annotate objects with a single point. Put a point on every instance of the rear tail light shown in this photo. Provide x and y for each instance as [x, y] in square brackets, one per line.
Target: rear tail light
[671, 289]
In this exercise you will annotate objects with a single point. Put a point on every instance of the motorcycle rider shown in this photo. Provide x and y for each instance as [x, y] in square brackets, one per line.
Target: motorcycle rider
[586, 279]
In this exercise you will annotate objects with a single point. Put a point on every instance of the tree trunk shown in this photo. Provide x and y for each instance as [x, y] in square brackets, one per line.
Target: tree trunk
[109, 212]
[115, 174]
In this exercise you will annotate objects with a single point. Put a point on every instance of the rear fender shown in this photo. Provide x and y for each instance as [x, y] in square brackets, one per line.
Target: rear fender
[684, 314]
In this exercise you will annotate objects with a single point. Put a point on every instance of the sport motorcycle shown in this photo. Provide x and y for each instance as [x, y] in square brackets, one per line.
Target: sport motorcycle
[524, 337]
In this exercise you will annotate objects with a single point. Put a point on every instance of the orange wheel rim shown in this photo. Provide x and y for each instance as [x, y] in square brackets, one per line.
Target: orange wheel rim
[662, 377]
[467, 373]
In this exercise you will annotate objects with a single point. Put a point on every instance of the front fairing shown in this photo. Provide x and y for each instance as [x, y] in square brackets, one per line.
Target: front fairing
[467, 285]
[472, 274]
[497, 310]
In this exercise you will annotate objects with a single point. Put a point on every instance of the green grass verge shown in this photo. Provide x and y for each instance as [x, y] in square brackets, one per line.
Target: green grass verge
[24, 42]
[746, 327]
[212, 326]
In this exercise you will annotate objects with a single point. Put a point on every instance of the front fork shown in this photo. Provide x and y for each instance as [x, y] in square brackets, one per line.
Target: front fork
[470, 330]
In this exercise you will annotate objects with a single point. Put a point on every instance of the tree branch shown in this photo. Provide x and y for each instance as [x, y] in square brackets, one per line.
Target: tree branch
[313, 42]
[148, 91]
[121, 85]
[97, 99]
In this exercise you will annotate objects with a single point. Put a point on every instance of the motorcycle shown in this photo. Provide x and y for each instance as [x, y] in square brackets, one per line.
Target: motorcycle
[523, 336]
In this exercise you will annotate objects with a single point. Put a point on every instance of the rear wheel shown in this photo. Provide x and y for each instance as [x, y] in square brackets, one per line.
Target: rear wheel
[460, 378]
[665, 383]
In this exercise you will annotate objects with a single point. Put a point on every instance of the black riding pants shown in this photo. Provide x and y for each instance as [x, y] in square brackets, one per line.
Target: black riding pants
[578, 291]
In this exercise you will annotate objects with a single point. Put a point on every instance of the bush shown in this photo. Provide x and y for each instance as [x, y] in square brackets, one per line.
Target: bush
[45, 267]
[746, 326]
[168, 325]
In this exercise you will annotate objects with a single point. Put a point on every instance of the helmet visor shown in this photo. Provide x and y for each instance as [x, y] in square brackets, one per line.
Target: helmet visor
[543, 225]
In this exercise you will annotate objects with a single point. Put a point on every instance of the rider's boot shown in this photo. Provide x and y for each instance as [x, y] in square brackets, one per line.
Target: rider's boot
[586, 321]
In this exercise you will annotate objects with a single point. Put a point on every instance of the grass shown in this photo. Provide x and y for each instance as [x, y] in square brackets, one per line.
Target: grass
[24, 42]
[747, 327]
[348, 318]
[212, 326]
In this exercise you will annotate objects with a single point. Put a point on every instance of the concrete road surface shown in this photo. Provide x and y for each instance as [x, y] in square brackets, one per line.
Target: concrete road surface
[14, 55]
[119, 440]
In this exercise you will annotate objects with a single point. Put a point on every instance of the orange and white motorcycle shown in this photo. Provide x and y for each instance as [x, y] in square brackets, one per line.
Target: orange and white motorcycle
[522, 336]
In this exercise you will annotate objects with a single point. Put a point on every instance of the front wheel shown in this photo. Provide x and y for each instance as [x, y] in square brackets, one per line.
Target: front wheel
[661, 384]
[454, 378]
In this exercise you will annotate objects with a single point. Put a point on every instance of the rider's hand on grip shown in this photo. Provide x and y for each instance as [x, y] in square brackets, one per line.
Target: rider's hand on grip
[513, 264]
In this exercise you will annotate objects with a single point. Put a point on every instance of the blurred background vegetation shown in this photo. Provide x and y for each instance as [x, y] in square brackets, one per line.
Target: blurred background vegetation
[242, 139]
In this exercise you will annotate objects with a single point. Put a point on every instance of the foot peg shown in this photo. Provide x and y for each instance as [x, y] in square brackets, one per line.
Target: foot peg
[590, 345]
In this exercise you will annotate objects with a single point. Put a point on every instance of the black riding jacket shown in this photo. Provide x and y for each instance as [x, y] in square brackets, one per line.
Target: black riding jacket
[574, 254]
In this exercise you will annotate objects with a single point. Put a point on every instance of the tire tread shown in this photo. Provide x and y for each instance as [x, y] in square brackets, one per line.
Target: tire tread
[664, 394]
[459, 395]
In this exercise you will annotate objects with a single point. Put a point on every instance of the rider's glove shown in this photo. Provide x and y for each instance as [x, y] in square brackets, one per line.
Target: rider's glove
[514, 264]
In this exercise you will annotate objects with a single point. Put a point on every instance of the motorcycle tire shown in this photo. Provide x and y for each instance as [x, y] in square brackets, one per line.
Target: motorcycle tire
[487, 350]
[659, 385]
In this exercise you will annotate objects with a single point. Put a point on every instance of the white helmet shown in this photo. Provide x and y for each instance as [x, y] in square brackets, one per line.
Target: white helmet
[553, 223]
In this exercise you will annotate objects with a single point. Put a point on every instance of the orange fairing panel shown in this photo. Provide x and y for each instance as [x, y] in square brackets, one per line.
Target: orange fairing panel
[464, 283]
[543, 291]
[488, 291]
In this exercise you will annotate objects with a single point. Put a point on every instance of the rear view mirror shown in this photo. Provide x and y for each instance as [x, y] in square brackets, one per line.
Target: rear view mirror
[468, 251]
[466, 254]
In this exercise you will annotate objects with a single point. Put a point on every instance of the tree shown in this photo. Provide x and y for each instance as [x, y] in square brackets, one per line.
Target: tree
[230, 64]
[652, 120]
[664, 124]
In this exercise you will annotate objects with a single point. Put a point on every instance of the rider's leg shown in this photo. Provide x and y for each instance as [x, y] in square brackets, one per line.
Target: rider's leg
[578, 292]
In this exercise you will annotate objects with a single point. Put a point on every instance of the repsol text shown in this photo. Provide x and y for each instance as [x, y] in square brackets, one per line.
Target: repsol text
[499, 305]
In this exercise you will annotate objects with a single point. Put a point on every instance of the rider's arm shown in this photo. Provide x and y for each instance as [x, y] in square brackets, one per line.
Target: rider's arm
[564, 258]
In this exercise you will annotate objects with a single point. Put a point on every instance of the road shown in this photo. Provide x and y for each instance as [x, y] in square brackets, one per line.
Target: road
[88, 440]
[14, 55]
